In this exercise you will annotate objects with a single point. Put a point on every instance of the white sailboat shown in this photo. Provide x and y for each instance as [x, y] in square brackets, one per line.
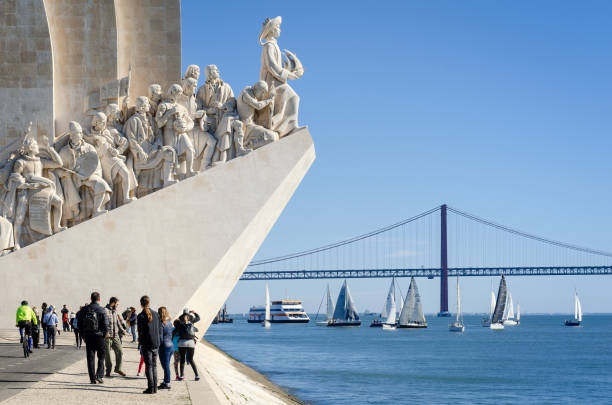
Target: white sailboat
[457, 326]
[518, 313]
[390, 322]
[384, 314]
[412, 313]
[329, 311]
[266, 323]
[345, 313]
[509, 320]
[577, 312]
[500, 306]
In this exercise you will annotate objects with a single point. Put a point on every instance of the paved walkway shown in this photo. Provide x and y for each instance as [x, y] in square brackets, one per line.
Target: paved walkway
[60, 377]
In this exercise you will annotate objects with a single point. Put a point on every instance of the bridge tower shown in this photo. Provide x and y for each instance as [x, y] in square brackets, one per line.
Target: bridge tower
[443, 264]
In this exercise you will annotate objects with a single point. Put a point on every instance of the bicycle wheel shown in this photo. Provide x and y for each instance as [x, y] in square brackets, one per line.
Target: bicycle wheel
[26, 349]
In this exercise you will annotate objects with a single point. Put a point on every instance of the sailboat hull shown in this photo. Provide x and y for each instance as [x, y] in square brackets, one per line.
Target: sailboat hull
[510, 322]
[322, 323]
[456, 327]
[413, 326]
[344, 323]
[497, 326]
[572, 322]
[387, 326]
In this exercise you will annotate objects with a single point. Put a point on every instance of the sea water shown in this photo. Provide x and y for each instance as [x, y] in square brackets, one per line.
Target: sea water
[539, 361]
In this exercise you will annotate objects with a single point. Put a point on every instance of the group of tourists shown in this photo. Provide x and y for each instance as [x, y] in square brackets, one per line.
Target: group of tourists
[102, 329]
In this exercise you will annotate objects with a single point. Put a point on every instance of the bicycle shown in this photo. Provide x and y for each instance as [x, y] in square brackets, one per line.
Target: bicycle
[25, 341]
[26, 347]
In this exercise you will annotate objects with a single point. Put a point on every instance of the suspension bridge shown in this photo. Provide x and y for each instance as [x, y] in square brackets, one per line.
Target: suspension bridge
[424, 245]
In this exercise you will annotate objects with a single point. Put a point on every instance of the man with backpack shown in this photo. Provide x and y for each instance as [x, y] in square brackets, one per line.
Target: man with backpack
[93, 325]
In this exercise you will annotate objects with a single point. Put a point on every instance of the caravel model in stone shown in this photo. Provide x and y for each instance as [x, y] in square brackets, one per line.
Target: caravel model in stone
[170, 196]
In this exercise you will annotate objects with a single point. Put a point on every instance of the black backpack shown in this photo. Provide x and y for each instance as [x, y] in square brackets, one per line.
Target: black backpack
[90, 322]
[188, 331]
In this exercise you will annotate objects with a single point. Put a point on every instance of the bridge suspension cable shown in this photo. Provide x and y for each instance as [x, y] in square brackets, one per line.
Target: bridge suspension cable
[529, 236]
[344, 242]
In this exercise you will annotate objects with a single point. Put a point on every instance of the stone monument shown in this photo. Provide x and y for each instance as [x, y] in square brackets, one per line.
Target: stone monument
[126, 170]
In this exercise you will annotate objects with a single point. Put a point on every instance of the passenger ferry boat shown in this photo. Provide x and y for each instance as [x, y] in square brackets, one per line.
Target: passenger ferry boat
[280, 312]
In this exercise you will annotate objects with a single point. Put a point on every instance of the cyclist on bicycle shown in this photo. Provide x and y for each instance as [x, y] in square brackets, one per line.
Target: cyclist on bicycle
[25, 318]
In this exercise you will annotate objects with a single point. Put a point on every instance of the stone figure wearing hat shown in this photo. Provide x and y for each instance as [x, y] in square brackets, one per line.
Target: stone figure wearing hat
[110, 146]
[83, 173]
[32, 201]
[275, 72]
[153, 162]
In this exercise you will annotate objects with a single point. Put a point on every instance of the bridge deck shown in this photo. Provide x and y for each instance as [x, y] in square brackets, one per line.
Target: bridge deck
[430, 273]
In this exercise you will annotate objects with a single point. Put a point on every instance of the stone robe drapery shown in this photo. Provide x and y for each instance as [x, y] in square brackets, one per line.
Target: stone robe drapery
[147, 166]
[72, 183]
[286, 102]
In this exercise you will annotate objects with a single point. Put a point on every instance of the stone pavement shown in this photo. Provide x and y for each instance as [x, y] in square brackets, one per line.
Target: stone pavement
[70, 385]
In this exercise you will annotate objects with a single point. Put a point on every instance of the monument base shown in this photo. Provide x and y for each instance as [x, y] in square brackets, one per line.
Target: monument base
[184, 245]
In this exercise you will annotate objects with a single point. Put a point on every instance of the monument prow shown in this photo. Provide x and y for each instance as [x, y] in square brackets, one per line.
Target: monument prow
[184, 245]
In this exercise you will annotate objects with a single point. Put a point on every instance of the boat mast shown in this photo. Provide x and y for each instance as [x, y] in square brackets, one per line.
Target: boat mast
[458, 300]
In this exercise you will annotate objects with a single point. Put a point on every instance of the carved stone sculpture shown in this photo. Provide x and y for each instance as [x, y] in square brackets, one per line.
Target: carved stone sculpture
[230, 137]
[213, 94]
[275, 73]
[254, 104]
[110, 147]
[203, 142]
[32, 200]
[155, 96]
[153, 162]
[85, 191]
[114, 120]
[167, 113]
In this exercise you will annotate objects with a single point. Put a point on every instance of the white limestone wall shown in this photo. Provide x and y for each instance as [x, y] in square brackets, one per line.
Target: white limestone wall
[26, 79]
[186, 244]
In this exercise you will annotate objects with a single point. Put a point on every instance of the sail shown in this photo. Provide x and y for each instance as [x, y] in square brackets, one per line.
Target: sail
[510, 307]
[401, 304]
[412, 312]
[351, 313]
[518, 312]
[330, 305]
[579, 309]
[458, 300]
[390, 298]
[267, 303]
[492, 304]
[345, 309]
[575, 305]
[500, 305]
[392, 310]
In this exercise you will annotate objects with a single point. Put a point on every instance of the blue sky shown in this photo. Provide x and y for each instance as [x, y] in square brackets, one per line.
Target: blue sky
[502, 109]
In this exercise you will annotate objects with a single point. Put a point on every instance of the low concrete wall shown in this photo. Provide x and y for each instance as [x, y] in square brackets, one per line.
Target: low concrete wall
[187, 244]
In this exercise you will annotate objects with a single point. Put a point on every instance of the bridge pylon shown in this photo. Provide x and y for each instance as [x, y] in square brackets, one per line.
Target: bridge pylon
[443, 263]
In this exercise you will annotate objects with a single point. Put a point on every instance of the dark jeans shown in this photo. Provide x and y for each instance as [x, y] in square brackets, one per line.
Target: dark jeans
[66, 326]
[165, 354]
[187, 352]
[51, 331]
[94, 345]
[149, 355]
[44, 328]
[78, 338]
[35, 337]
